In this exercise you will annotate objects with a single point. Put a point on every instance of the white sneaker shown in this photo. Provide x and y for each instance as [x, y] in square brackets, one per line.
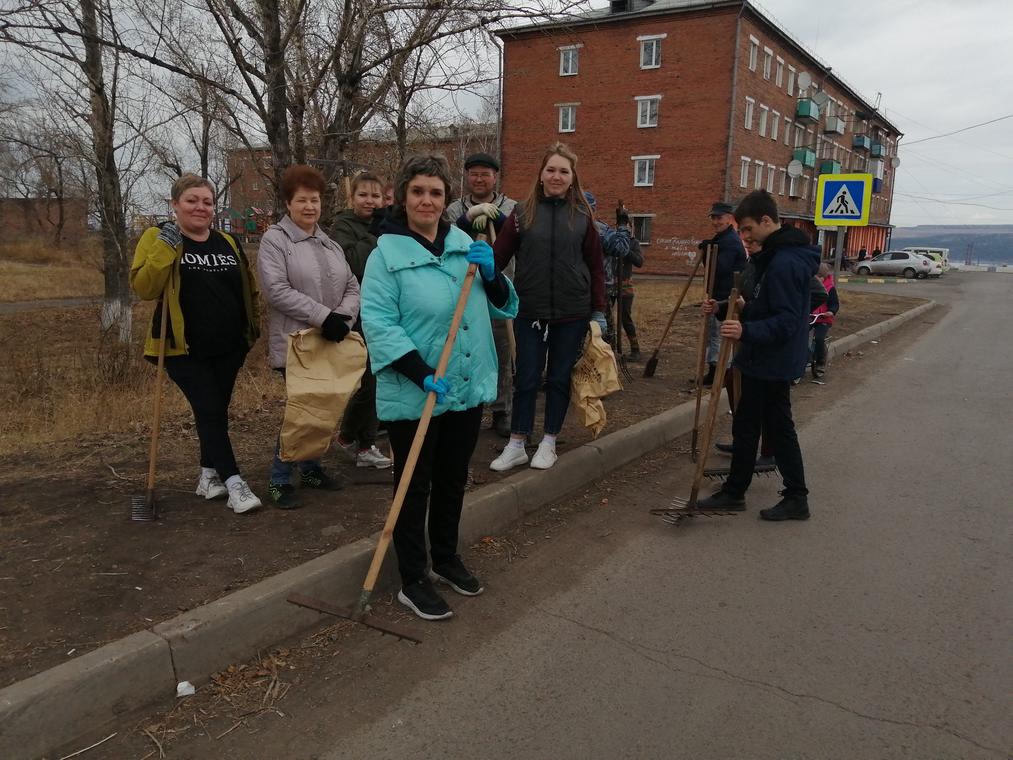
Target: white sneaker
[545, 457]
[211, 487]
[241, 498]
[511, 457]
[372, 457]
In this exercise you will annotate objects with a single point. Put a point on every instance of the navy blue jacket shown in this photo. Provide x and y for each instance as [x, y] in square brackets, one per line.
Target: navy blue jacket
[731, 259]
[775, 320]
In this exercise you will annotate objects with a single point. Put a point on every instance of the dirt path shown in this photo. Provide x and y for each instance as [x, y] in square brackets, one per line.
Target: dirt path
[16, 307]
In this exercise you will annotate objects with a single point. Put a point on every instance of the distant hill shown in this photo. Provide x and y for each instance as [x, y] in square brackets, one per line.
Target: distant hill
[993, 243]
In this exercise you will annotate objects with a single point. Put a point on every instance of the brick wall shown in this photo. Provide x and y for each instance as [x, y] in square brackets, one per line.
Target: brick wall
[38, 218]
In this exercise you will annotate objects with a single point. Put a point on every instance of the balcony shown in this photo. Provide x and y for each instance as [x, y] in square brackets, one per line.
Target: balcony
[807, 110]
[877, 150]
[877, 185]
[829, 166]
[876, 168]
[861, 142]
[806, 155]
[834, 126]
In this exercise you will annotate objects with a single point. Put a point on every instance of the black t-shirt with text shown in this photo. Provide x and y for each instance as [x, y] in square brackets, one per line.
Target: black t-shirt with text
[211, 296]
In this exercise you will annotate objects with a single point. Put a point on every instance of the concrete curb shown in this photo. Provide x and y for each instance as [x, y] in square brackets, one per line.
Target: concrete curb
[52, 708]
[860, 280]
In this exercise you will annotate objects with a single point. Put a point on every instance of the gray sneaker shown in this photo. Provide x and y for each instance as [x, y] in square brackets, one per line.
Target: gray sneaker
[241, 498]
[211, 487]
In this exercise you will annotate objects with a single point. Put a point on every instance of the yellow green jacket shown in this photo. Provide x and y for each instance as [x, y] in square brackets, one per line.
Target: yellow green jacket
[156, 270]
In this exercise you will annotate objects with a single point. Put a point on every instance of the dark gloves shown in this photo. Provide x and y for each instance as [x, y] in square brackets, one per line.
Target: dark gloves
[169, 234]
[334, 327]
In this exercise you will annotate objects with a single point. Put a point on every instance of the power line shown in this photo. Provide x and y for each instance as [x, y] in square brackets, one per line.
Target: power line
[951, 203]
[958, 131]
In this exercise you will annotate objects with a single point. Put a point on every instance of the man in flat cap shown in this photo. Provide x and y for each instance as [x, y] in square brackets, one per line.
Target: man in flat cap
[731, 259]
[472, 213]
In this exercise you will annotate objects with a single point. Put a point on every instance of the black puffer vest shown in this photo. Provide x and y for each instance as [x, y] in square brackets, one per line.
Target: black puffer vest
[552, 278]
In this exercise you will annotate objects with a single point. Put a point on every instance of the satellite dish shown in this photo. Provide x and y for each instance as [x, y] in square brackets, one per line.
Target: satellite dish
[820, 97]
[804, 80]
[795, 168]
[895, 162]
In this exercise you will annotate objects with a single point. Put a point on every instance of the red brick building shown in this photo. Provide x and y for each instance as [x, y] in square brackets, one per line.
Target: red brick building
[672, 105]
[45, 219]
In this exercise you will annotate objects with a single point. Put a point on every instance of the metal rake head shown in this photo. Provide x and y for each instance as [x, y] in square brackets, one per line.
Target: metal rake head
[142, 509]
[624, 368]
[720, 474]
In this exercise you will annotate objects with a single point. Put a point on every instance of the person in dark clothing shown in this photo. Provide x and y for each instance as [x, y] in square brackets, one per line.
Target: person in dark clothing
[773, 337]
[731, 259]
[561, 285]
[409, 292]
[213, 322]
[823, 319]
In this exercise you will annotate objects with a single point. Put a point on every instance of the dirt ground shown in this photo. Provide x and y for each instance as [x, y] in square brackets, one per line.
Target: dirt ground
[75, 573]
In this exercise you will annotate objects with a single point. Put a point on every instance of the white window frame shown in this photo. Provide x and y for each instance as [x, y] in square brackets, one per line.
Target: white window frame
[784, 180]
[771, 171]
[793, 187]
[779, 72]
[788, 124]
[648, 163]
[791, 81]
[754, 52]
[764, 115]
[644, 110]
[651, 40]
[805, 187]
[768, 62]
[565, 52]
[570, 108]
[643, 218]
[758, 176]
[746, 162]
[830, 109]
[750, 104]
[799, 135]
[775, 123]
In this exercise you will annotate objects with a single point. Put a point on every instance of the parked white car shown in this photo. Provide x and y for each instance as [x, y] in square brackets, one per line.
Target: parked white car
[903, 263]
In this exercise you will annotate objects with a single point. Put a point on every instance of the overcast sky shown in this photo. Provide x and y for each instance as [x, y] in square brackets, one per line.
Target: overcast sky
[941, 65]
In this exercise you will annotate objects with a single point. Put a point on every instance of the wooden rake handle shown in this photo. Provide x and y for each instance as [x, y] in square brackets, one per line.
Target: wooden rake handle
[678, 304]
[420, 437]
[701, 347]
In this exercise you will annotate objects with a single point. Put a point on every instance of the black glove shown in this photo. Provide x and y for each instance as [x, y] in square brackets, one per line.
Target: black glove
[169, 234]
[702, 245]
[334, 327]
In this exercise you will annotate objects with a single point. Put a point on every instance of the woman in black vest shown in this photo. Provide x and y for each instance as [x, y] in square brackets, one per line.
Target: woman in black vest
[560, 279]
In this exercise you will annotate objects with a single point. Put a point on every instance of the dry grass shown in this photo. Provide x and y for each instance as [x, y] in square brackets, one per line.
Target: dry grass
[32, 270]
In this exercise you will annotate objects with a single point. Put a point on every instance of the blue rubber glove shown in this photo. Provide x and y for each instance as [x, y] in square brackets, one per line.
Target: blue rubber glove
[480, 252]
[438, 386]
[598, 317]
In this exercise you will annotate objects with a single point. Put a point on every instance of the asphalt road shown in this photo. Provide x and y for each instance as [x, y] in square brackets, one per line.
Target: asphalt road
[878, 629]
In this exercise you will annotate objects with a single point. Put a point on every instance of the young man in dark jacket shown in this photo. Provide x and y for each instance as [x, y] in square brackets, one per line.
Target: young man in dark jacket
[731, 259]
[773, 340]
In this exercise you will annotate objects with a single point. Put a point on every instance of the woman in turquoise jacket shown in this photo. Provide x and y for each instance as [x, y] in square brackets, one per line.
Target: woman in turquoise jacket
[409, 291]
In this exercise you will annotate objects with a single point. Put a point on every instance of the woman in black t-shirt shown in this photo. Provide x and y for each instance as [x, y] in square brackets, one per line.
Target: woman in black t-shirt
[213, 322]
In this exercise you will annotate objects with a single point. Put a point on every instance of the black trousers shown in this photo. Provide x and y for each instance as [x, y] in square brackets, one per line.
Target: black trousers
[626, 306]
[360, 423]
[438, 483]
[765, 406]
[207, 383]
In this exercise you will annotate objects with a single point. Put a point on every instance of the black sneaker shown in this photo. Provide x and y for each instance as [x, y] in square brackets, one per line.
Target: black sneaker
[421, 598]
[501, 424]
[283, 495]
[321, 480]
[789, 508]
[709, 377]
[456, 575]
[724, 448]
[762, 461]
[724, 501]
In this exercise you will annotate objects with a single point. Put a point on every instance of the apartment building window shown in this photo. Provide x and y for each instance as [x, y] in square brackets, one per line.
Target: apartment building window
[569, 60]
[771, 170]
[805, 187]
[779, 72]
[749, 112]
[787, 131]
[754, 52]
[744, 172]
[650, 50]
[775, 122]
[642, 227]
[793, 187]
[567, 117]
[784, 178]
[768, 62]
[643, 170]
[647, 110]
[830, 108]
[764, 115]
[791, 81]
[758, 177]
[799, 135]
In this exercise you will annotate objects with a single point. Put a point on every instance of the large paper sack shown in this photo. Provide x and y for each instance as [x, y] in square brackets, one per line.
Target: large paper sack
[320, 377]
[594, 376]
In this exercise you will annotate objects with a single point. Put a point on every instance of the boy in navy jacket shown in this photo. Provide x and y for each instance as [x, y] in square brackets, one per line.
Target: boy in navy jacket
[773, 340]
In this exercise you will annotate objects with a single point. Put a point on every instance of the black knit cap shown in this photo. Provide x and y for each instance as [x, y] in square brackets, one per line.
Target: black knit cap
[481, 159]
[720, 208]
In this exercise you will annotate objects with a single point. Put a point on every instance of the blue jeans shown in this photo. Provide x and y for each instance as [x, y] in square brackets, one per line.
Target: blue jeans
[713, 340]
[559, 343]
[281, 472]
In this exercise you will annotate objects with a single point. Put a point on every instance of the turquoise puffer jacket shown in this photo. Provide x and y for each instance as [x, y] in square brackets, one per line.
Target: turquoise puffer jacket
[408, 299]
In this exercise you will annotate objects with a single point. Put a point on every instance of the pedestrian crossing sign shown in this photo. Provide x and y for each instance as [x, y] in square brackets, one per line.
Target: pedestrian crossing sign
[843, 200]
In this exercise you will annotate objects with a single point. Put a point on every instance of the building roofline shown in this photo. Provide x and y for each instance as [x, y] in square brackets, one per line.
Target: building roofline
[657, 8]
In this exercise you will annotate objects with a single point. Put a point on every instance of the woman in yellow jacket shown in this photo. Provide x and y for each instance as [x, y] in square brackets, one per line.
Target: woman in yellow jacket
[213, 322]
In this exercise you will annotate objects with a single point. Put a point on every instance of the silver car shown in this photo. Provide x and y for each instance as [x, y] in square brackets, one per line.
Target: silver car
[909, 265]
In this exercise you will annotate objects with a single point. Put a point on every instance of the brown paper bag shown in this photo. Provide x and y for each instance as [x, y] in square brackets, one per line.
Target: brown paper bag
[320, 377]
[595, 375]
